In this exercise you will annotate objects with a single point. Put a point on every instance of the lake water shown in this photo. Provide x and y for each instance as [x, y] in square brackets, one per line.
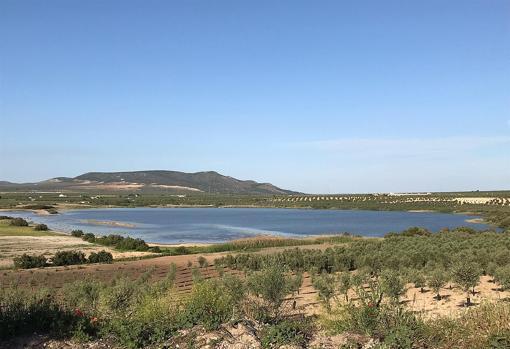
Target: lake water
[176, 225]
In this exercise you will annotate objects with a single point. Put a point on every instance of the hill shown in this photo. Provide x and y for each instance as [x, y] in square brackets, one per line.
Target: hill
[155, 180]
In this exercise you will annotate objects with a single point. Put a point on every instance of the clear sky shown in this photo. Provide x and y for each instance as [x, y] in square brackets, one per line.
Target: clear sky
[315, 96]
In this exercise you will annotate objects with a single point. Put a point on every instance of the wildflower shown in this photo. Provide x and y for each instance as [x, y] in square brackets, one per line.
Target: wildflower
[78, 312]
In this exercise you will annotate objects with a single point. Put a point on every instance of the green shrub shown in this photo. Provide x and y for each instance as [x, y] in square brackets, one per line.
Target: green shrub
[209, 305]
[467, 276]
[325, 286]
[392, 285]
[25, 312]
[148, 321]
[40, 227]
[19, 222]
[270, 285]
[482, 327]
[27, 261]
[436, 280]
[77, 233]
[502, 275]
[291, 332]
[100, 257]
[202, 262]
[68, 258]
[89, 237]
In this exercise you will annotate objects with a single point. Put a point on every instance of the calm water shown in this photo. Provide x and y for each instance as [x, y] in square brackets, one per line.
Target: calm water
[172, 225]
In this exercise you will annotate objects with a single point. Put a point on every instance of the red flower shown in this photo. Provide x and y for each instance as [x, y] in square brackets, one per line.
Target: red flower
[371, 305]
[93, 320]
[78, 312]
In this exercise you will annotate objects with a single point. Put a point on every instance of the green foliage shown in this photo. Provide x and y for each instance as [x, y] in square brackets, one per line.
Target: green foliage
[118, 242]
[26, 261]
[270, 285]
[502, 275]
[290, 332]
[436, 279]
[18, 222]
[344, 284]
[467, 276]
[100, 257]
[41, 227]
[418, 279]
[325, 285]
[68, 258]
[89, 237]
[26, 312]
[202, 262]
[209, 305]
[392, 285]
[483, 327]
[77, 233]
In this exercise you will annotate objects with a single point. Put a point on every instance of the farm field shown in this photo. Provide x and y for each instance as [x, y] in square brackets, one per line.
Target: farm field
[393, 278]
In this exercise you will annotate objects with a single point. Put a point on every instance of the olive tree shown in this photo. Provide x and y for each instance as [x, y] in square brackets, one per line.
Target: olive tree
[419, 281]
[467, 276]
[436, 280]
[392, 285]
[325, 286]
[270, 285]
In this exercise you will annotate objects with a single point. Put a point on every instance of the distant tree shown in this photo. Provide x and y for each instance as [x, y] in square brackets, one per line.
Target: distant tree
[41, 227]
[77, 233]
[26, 261]
[68, 258]
[100, 257]
[467, 276]
[19, 222]
[89, 237]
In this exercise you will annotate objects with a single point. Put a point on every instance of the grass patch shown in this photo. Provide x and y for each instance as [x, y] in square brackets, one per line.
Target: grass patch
[8, 230]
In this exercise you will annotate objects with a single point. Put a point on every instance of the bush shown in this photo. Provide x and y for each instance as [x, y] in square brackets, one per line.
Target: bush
[467, 276]
[202, 262]
[19, 222]
[271, 286]
[41, 227]
[77, 233]
[436, 280]
[325, 285]
[100, 257]
[26, 261]
[89, 237]
[6, 217]
[68, 258]
[25, 312]
[296, 332]
[209, 305]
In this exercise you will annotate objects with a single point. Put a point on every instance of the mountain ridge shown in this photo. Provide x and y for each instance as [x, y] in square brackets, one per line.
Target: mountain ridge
[156, 180]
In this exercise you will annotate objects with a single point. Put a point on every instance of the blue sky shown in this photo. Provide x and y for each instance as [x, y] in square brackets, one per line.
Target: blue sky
[316, 96]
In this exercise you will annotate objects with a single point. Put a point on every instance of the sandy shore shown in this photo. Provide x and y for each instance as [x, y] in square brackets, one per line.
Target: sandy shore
[110, 223]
